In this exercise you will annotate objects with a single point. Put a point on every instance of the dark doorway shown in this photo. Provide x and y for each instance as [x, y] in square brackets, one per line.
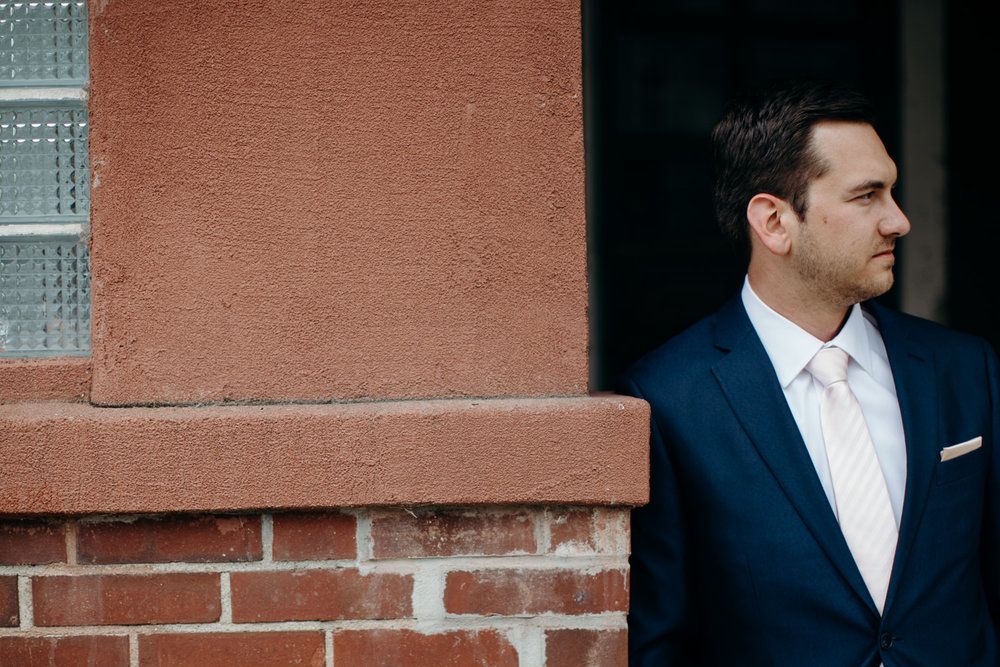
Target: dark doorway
[973, 149]
[657, 76]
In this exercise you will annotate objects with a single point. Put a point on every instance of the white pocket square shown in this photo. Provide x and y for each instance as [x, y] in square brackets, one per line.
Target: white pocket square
[948, 453]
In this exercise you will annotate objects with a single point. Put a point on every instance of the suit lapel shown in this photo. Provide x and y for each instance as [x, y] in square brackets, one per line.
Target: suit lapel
[913, 374]
[747, 378]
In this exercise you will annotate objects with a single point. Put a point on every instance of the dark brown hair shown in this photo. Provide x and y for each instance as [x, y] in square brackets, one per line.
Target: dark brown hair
[762, 145]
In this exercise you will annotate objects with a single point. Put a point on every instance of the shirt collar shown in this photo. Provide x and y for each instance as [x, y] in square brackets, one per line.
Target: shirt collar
[790, 347]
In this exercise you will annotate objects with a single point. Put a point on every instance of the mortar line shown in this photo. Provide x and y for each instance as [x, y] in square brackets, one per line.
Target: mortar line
[267, 537]
[363, 536]
[586, 562]
[25, 603]
[530, 642]
[543, 530]
[72, 540]
[225, 600]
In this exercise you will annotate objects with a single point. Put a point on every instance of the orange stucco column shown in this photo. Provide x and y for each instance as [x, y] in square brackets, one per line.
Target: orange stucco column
[319, 200]
[338, 259]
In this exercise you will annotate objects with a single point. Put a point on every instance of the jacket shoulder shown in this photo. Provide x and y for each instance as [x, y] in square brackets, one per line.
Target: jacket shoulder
[946, 343]
[684, 358]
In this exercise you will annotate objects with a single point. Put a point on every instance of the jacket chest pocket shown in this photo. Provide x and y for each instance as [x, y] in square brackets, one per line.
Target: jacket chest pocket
[970, 464]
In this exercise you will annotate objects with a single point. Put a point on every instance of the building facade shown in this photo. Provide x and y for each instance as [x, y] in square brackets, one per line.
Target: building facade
[336, 407]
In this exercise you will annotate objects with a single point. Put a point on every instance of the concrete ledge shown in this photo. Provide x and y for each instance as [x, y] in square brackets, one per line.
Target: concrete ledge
[76, 458]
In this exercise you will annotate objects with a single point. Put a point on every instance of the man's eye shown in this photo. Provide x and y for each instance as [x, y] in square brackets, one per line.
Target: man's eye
[866, 197]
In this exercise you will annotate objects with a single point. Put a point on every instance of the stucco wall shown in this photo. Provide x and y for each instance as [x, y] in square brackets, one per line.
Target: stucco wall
[336, 200]
[71, 458]
[345, 204]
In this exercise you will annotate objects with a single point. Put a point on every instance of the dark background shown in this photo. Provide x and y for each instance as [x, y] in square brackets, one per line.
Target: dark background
[657, 77]
[973, 163]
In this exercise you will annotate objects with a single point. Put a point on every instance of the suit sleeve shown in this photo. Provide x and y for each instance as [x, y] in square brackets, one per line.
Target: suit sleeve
[661, 616]
[991, 527]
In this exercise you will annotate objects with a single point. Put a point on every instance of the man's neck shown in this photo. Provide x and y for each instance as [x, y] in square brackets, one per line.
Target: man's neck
[800, 306]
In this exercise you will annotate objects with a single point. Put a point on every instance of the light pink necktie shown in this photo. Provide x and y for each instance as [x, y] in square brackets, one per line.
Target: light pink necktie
[860, 493]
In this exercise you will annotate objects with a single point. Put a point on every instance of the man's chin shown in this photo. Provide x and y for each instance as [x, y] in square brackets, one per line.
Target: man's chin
[874, 287]
[878, 286]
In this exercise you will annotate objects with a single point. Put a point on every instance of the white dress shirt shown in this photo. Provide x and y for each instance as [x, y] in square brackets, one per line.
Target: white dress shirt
[790, 348]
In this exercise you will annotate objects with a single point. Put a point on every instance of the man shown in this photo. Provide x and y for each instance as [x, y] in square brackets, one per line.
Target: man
[795, 518]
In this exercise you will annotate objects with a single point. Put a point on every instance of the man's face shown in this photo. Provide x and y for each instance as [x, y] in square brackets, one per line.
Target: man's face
[842, 250]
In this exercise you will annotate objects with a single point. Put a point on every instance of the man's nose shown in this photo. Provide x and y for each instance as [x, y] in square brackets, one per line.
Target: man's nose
[896, 223]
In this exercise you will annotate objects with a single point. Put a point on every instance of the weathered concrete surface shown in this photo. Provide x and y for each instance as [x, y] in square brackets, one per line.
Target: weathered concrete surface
[75, 458]
[335, 200]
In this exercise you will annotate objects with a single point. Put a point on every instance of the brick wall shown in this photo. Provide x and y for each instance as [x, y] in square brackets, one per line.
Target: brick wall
[521, 586]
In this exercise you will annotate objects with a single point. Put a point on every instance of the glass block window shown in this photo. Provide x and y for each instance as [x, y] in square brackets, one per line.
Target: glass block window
[44, 156]
[43, 43]
[44, 295]
[44, 180]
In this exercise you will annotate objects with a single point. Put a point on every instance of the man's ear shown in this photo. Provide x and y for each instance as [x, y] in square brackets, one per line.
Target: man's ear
[767, 215]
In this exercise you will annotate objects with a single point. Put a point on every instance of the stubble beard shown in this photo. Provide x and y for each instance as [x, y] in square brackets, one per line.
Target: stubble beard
[830, 279]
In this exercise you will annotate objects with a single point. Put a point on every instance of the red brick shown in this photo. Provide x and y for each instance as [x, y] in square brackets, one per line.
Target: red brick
[64, 651]
[314, 536]
[573, 527]
[520, 591]
[126, 599]
[586, 648]
[32, 542]
[452, 533]
[391, 648]
[246, 649]
[192, 539]
[589, 530]
[316, 595]
[9, 616]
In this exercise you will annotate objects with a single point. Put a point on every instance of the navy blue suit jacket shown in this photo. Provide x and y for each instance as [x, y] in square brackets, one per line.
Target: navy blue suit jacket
[738, 559]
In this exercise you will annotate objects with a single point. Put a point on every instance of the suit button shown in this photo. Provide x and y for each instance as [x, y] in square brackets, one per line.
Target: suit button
[885, 641]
